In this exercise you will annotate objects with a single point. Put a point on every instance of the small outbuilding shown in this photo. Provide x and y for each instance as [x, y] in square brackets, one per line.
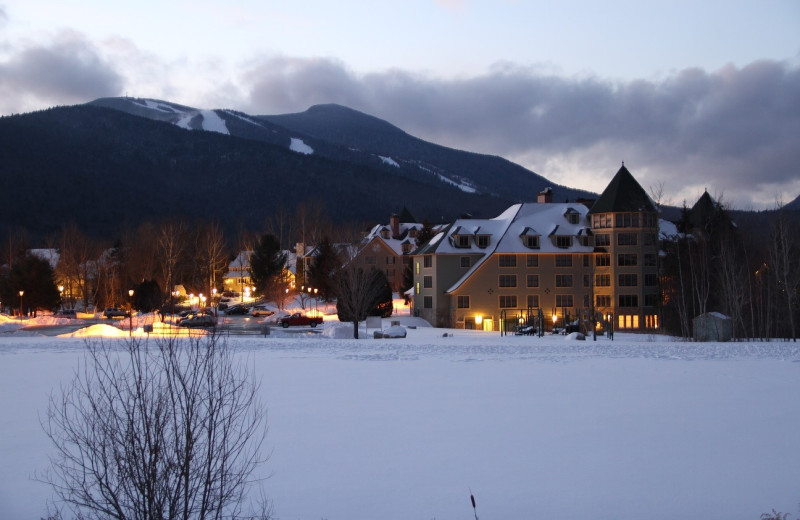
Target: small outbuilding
[712, 326]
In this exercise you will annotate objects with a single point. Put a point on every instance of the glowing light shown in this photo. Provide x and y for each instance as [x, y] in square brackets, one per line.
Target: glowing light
[478, 319]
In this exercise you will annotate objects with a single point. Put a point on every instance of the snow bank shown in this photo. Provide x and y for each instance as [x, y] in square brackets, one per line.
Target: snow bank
[99, 330]
[342, 331]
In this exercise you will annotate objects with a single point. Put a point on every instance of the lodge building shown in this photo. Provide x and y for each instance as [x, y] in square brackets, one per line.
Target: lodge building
[563, 263]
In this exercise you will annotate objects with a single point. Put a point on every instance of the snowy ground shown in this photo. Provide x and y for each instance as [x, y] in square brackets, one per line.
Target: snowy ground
[641, 427]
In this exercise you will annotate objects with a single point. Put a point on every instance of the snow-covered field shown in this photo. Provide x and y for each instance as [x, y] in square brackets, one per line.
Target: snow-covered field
[641, 427]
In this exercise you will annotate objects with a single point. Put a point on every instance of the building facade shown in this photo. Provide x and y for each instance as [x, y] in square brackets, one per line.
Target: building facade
[560, 262]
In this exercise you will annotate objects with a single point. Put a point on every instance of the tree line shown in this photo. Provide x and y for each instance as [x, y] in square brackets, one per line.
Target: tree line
[748, 270]
[150, 258]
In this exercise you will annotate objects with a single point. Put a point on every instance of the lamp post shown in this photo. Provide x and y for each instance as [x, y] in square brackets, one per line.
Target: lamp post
[61, 296]
[130, 314]
[213, 298]
[316, 301]
[20, 304]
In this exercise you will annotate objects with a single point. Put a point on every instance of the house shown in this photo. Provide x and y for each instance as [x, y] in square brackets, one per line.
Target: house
[559, 261]
[389, 247]
[237, 278]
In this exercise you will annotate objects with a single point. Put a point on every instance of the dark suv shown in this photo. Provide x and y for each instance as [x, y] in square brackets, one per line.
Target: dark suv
[113, 312]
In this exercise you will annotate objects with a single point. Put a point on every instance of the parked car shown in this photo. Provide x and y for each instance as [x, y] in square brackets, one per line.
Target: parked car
[237, 310]
[261, 310]
[199, 320]
[113, 312]
[298, 319]
[66, 313]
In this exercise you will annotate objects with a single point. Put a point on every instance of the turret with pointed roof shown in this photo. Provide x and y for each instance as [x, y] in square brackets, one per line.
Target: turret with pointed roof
[623, 194]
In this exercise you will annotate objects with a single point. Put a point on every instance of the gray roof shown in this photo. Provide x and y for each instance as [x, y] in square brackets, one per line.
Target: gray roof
[623, 194]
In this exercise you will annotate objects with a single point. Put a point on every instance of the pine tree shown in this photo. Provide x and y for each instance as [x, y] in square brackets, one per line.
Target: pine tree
[267, 264]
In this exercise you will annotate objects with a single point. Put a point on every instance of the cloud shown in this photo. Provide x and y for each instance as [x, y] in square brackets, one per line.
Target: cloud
[733, 130]
[67, 70]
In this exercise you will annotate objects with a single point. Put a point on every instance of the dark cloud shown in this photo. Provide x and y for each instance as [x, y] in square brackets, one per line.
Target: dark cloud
[735, 129]
[68, 70]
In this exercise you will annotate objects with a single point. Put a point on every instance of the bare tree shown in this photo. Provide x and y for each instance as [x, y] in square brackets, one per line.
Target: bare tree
[171, 429]
[212, 253]
[357, 291]
[77, 265]
[783, 253]
[171, 245]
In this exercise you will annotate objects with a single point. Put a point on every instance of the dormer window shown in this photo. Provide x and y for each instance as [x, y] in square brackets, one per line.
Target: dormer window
[412, 233]
[407, 248]
[482, 241]
[385, 233]
[572, 216]
[530, 238]
[461, 240]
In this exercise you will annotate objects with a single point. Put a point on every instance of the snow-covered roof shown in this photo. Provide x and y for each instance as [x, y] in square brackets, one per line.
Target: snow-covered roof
[506, 233]
[394, 243]
[551, 217]
[667, 230]
[241, 262]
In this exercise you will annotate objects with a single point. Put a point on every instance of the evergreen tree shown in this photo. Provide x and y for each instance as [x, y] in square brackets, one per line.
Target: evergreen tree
[266, 264]
[147, 296]
[425, 234]
[323, 269]
[35, 277]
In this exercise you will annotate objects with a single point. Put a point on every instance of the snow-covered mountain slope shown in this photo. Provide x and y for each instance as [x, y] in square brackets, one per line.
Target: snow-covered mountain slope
[341, 133]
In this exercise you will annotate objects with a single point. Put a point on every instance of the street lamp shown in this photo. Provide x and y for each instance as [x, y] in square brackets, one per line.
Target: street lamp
[20, 304]
[130, 314]
[61, 296]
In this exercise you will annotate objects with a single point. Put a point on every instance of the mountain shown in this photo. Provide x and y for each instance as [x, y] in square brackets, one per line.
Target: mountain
[794, 205]
[103, 168]
[343, 134]
[121, 161]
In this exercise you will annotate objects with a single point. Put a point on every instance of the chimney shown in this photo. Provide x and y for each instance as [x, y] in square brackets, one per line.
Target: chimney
[545, 196]
[394, 223]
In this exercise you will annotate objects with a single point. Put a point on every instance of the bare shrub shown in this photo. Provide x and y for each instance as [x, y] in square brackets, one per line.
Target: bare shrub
[164, 429]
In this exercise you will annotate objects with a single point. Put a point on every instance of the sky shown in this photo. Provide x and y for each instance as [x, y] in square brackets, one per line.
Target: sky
[692, 96]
